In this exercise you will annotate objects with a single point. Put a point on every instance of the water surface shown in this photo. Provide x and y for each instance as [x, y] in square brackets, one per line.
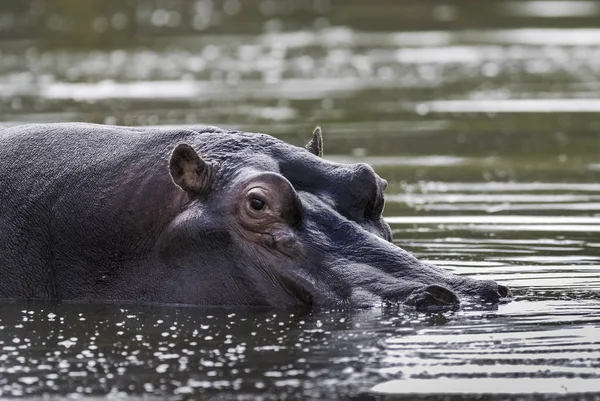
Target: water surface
[483, 118]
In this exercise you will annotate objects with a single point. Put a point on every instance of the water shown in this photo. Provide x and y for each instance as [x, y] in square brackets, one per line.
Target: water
[488, 135]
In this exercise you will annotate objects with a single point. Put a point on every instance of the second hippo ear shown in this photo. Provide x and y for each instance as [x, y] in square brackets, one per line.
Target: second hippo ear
[315, 146]
[189, 171]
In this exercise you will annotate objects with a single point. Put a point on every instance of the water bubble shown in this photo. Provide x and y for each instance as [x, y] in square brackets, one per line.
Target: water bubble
[204, 14]
[422, 109]
[162, 368]
[100, 24]
[67, 343]
[119, 21]
[160, 17]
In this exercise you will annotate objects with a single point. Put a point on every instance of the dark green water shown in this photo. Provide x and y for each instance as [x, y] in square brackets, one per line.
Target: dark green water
[483, 116]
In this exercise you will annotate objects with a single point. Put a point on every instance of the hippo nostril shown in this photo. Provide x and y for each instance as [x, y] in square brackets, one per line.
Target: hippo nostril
[433, 297]
[503, 291]
[441, 294]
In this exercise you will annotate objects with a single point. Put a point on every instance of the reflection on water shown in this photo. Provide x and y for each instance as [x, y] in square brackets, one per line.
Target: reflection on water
[118, 350]
[552, 9]
[482, 117]
[515, 106]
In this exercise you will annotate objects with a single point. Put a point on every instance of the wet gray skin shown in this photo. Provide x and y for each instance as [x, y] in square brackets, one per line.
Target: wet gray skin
[202, 216]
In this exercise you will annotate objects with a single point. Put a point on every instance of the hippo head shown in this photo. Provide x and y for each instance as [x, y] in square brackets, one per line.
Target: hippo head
[268, 223]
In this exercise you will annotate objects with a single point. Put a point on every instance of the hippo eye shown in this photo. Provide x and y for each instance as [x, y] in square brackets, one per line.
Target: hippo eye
[257, 204]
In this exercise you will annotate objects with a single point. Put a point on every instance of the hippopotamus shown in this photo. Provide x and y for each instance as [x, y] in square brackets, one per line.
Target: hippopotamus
[203, 216]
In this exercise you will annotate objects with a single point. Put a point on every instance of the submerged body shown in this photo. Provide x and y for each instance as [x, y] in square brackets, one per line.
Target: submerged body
[201, 216]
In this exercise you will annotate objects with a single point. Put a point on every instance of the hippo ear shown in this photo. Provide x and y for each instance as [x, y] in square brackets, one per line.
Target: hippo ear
[315, 146]
[189, 171]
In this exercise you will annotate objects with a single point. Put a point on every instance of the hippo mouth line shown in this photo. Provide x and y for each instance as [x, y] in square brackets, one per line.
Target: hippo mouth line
[296, 288]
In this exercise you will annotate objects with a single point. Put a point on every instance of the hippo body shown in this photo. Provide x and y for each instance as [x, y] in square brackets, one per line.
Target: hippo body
[201, 216]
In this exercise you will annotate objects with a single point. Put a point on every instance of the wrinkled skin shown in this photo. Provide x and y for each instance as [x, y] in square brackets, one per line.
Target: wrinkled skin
[202, 216]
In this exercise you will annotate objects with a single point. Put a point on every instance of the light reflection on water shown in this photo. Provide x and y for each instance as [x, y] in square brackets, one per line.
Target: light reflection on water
[488, 138]
[516, 106]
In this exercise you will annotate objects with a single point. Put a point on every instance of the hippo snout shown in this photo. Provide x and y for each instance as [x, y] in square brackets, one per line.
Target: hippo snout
[489, 291]
[434, 297]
